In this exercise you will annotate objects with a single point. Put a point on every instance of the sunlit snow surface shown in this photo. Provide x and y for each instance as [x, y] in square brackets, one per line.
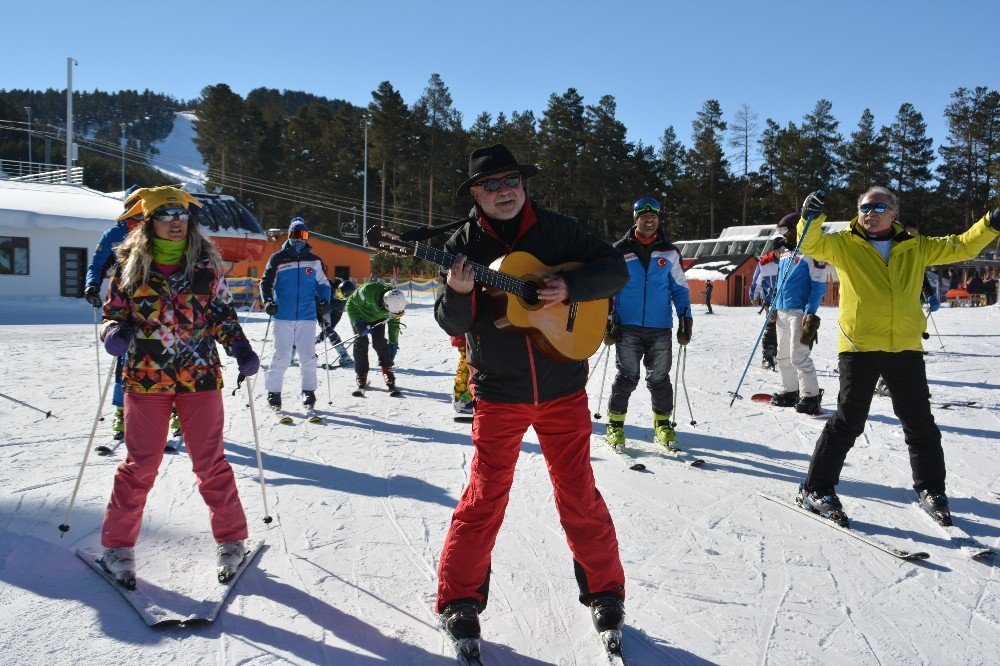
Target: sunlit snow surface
[362, 503]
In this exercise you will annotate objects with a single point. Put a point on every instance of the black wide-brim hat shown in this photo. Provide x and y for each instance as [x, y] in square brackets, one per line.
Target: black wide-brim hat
[494, 159]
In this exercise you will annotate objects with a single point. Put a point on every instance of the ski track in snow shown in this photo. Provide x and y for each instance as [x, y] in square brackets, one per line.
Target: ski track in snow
[361, 505]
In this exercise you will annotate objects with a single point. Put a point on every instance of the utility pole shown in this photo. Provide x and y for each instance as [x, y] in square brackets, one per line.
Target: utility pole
[30, 159]
[364, 206]
[122, 138]
[69, 119]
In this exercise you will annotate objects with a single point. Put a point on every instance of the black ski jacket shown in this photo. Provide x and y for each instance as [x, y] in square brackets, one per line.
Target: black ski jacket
[507, 366]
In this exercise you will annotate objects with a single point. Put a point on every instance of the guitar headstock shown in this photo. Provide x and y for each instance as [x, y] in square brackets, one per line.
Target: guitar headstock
[389, 241]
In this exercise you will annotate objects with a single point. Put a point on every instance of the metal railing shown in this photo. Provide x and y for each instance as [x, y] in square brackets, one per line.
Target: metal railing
[38, 172]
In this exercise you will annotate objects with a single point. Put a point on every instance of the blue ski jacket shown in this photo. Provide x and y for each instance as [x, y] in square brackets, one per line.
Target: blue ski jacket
[295, 281]
[805, 285]
[104, 254]
[656, 279]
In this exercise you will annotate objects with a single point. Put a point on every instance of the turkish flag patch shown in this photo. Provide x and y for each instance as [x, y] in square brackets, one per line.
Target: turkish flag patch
[661, 262]
[309, 271]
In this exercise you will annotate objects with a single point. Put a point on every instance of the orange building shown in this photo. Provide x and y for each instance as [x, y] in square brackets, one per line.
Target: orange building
[342, 259]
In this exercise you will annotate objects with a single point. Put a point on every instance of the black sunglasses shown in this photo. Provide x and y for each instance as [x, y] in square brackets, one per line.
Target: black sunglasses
[168, 214]
[511, 180]
[878, 208]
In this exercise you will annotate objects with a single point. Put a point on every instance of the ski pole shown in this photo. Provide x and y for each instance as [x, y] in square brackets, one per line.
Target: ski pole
[683, 359]
[263, 346]
[600, 398]
[359, 335]
[97, 350]
[64, 527]
[256, 443]
[774, 300]
[597, 361]
[931, 319]
[47, 414]
[677, 379]
[326, 362]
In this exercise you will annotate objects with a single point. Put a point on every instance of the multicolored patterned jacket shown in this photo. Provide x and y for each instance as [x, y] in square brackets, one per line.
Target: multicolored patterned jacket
[175, 324]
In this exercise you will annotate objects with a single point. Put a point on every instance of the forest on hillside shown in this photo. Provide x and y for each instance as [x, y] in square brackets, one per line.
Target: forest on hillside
[286, 153]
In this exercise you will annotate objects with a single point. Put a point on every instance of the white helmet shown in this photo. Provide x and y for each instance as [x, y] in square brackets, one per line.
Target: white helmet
[394, 301]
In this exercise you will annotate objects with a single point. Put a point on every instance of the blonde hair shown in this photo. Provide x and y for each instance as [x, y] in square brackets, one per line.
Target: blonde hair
[135, 254]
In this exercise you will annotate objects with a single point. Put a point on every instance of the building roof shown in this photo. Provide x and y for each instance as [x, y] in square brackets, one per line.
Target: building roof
[715, 267]
[50, 206]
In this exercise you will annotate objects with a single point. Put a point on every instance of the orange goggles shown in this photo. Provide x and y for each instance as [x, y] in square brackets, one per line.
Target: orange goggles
[298, 234]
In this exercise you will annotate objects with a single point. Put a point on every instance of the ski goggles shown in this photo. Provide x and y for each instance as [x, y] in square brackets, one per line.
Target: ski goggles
[511, 180]
[646, 205]
[170, 214]
[298, 234]
[878, 208]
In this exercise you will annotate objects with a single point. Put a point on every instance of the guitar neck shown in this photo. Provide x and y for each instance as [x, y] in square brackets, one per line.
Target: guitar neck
[482, 274]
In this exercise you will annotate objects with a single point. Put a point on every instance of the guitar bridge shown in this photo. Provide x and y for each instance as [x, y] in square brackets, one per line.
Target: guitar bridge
[571, 320]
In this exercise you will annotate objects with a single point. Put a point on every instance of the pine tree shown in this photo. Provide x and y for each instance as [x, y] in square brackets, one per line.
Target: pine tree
[866, 156]
[706, 163]
[389, 135]
[743, 133]
[562, 134]
[910, 150]
[441, 138]
[822, 144]
[971, 151]
[604, 167]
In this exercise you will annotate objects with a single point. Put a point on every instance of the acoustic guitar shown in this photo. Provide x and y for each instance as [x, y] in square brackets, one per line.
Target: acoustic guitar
[565, 332]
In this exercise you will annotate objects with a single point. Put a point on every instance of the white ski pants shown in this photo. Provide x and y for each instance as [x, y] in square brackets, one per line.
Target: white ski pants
[795, 363]
[302, 334]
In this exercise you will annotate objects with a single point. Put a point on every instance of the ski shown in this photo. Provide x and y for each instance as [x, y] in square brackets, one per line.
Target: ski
[765, 398]
[968, 544]
[850, 531]
[108, 449]
[281, 417]
[612, 642]
[463, 418]
[622, 455]
[312, 416]
[467, 650]
[678, 455]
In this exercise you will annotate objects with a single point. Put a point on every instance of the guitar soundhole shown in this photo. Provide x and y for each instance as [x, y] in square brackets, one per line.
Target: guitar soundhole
[529, 296]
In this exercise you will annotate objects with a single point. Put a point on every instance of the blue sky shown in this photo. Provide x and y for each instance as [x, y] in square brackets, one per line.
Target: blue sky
[660, 60]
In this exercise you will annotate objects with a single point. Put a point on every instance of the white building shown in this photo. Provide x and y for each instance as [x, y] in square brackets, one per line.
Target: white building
[48, 234]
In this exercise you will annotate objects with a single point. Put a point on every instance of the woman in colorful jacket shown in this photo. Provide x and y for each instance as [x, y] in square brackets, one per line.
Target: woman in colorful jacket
[168, 304]
[881, 269]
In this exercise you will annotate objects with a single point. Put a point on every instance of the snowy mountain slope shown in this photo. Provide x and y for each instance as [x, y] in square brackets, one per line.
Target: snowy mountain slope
[361, 505]
[179, 158]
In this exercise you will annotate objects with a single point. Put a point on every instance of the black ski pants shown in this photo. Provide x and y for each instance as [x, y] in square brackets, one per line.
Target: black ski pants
[653, 347]
[906, 377]
[380, 344]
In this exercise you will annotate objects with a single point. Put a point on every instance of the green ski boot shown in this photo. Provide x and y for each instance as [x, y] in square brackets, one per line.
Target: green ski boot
[118, 423]
[615, 433]
[663, 432]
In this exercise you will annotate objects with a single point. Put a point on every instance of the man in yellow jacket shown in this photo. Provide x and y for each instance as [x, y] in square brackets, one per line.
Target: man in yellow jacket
[881, 269]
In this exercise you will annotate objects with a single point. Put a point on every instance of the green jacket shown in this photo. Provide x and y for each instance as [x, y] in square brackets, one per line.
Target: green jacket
[365, 305]
[880, 306]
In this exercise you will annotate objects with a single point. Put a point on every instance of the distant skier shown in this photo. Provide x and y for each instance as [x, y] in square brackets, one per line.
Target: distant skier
[295, 291]
[342, 290]
[803, 284]
[707, 293]
[167, 305]
[373, 308]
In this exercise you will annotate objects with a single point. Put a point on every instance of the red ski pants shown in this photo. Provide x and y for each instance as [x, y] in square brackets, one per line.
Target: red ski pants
[563, 426]
[147, 417]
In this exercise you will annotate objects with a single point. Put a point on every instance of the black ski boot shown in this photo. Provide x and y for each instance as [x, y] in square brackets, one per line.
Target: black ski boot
[309, 399]
[824, 502]
[608, 612]
[389, 377]
[274, 400]
[935, 503]
[461, 620]
[810, 404]
[789, 399]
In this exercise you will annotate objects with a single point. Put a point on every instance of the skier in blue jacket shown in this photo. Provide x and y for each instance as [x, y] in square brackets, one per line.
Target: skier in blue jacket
[294, 290]
[644, 320]
[803, 284]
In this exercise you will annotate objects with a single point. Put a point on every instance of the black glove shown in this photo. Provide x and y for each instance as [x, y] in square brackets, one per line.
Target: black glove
[270, 308]
[995, 218]
[92, 295]
[613, 333]
[813, 205]
[684, 331]
[322, 307]
[779, 243]
[810, 330]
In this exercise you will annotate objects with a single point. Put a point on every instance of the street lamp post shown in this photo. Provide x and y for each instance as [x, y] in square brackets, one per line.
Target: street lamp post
[122, 139]
[364, 210]
[28, 110]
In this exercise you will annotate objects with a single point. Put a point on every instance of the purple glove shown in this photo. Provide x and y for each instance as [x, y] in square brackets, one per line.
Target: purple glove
[116, 339]
[246, 359]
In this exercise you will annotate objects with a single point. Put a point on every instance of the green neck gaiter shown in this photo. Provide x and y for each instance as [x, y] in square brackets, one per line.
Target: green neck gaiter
[168, 252]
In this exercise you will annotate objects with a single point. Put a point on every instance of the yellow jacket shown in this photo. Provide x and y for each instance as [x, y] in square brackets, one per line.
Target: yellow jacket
[880, 303]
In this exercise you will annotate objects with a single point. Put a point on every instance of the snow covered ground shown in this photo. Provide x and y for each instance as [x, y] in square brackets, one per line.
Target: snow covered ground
[361, 505]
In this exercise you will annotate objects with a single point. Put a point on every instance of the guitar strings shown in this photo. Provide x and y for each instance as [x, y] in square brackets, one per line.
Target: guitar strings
[509, 283]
